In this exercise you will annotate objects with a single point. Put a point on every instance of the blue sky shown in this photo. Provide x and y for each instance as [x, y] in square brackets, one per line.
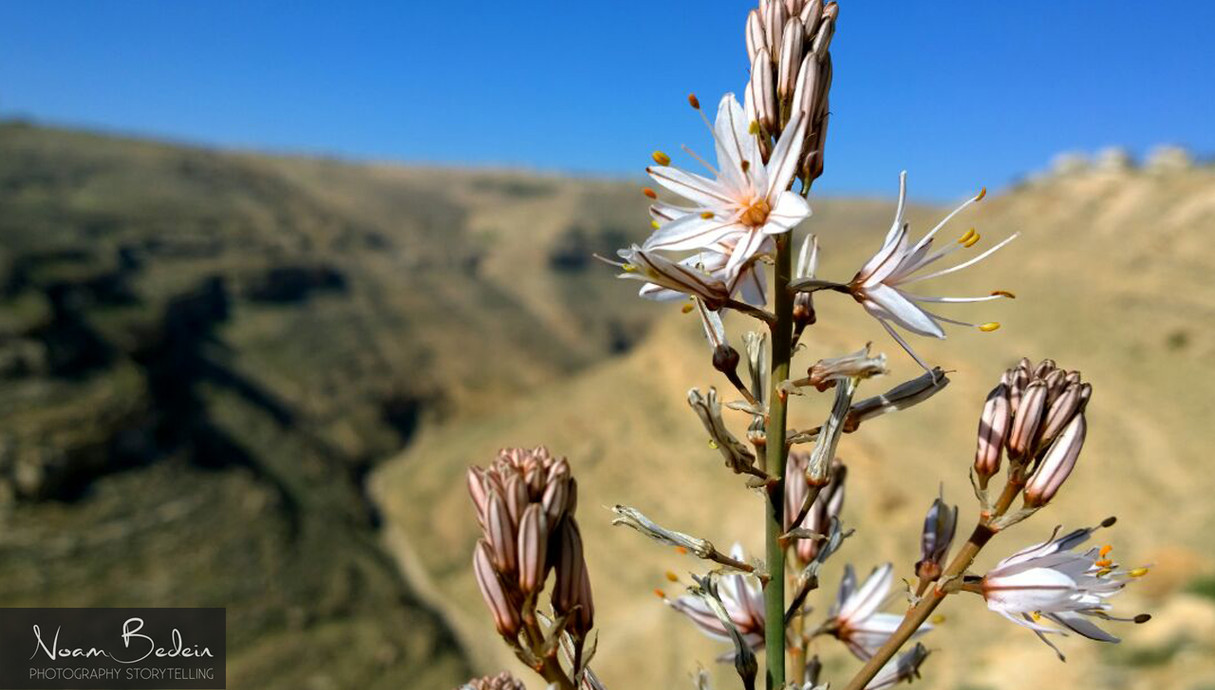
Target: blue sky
[959, 93]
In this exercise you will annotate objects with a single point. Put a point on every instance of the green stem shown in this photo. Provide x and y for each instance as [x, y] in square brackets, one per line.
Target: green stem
[777, 454]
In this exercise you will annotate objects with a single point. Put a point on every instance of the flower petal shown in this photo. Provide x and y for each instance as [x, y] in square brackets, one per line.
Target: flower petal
[886, 302]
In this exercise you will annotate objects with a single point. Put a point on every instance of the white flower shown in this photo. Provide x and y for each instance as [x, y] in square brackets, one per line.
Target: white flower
[878, 285]
[856, 619]
[1049, 580]
[747, 203]
[743, 598]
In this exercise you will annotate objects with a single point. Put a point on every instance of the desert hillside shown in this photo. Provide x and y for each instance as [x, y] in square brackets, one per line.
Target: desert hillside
[203, 354]
[1112, 276]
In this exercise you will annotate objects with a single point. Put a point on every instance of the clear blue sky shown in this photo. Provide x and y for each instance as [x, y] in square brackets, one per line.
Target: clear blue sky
[960, 93]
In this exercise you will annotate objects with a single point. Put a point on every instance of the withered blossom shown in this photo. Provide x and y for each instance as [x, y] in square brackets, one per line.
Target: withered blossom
[827, 504]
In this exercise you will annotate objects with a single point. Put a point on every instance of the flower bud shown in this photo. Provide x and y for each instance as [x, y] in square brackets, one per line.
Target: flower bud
[1065, 406]
[533, 549]
[476, 489]
[939, 527]
[993, 428]
[1058, 463]
[515, 494]
[555, 502]
[763, 92]
[790, 58]
[584, 607]
[822, 39]
[1026, 420]
[811, 15]
[506, 617]
[755, 35]
[809, 88]
[501, 535]
[774, 24]
[570, 566]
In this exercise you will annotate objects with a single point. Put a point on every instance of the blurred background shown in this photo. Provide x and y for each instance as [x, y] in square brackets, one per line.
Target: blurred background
[272, 276]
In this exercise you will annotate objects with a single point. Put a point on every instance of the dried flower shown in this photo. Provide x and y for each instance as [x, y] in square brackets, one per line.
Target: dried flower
[856, 365]
[737, 456]
[939, 527]
[900, 397]
[1049, 580]
[747, 203]
[878, 286]
[807, 265]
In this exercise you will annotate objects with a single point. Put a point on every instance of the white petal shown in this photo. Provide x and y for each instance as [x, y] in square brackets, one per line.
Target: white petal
[691, 232]
[869, 597]
[886, 302]
[790, 209]
[701, 190]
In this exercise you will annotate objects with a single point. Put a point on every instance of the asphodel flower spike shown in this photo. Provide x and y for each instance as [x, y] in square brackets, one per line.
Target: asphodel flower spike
[1050, 581]
[879, 285]
[747, 203]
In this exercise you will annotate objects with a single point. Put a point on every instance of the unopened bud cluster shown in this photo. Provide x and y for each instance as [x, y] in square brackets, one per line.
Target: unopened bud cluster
[525, 503]
[788, 44]
[1036, 416]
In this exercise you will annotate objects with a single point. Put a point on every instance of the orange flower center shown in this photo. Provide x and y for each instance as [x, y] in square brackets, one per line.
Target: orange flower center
[756, 214]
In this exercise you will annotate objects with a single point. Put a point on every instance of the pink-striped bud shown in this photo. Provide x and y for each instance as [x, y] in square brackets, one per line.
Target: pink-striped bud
[1027, 418]
[570, 565]
[993, 428]
[501, 535]
[1058, 463]
[790, 58]
[476, 489]
[756, 40]
[506, 616]
[533, 549]
[774, 24]
[1070, 402]
[763, 92]
[811, 15]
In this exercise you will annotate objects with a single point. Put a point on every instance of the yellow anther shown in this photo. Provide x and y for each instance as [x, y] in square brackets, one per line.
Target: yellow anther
[1103, 563]
[672, 577]
[654, 224]
[1003, 293]
[706, 215]
[661, 158]
[629, 268]
[989, 326]
[973, 240]
[938, 619]
[713, 444]
[1138, 572]
[659, 593]
[966, 237]
[1105, 550]
[694, 101]
[681, 551]
[1103, 572]
[982, 193]
[753, 128]
[1037, 615]
[686, 309]
[649, 192]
